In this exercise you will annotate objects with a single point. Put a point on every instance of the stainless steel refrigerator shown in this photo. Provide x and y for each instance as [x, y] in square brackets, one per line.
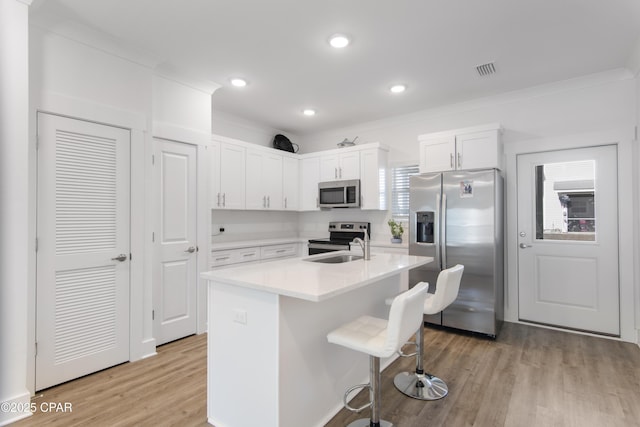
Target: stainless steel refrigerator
[457, 218]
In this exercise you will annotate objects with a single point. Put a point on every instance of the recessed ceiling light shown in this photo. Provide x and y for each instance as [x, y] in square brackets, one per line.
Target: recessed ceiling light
[309, 112]
[339, 41]
[398, 88]
[238, 82]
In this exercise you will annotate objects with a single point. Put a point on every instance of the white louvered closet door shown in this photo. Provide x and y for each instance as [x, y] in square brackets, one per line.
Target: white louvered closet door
[83, 248]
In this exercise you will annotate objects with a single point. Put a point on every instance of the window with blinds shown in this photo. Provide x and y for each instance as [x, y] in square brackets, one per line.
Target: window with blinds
[400, 191]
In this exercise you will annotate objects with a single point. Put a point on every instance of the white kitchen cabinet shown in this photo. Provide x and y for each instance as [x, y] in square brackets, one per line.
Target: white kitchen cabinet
[226, 176]
[290, 183]
[263, 180]
[309, 178]
[223, 257]
[462, 149]
[337, 166]
[374, 179]
[286, 250]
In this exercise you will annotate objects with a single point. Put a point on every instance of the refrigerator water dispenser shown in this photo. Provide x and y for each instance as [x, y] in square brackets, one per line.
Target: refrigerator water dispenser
[424, 227]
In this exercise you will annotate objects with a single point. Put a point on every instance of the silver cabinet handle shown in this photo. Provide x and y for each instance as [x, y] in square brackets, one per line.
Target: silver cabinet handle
[218, 199]
[224, 199]
[121, 258]
[191, 249]
[222, 258]
[317, 202]
[285, 203]
[268, 201]
[459, 160]
[451, 160]
[340, 168]
[525, 246]
[335, 172]
[264, 201]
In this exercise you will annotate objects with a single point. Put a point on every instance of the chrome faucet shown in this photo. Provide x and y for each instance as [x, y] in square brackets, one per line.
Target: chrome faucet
[365, 245]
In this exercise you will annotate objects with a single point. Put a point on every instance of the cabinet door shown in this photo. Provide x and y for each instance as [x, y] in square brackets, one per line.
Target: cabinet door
[437, 155]
[290, 183]
[232, 176]
[349, 166]
[309, 178]
[213, 171]
[479, 150]
[272, 180]
[373, 179]
[329, 165]
[255, 197]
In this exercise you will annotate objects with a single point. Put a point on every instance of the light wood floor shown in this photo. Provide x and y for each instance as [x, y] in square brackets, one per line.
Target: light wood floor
[529, 376]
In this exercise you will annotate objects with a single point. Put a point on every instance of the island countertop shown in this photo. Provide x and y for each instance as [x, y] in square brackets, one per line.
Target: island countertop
[315, 281]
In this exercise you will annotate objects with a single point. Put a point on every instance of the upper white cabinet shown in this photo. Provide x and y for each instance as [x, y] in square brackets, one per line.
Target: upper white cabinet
[462, 149]
[374, 179]
[337, 166]
[226, 176]
[309, 179]
[290, 183]
[246, 176]
[263, 180]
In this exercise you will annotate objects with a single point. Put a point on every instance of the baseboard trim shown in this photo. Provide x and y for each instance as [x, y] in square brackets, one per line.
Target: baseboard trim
[10, 413]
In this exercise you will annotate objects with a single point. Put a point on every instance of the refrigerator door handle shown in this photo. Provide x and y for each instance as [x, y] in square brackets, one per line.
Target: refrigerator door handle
[443, 215]
[437, 230]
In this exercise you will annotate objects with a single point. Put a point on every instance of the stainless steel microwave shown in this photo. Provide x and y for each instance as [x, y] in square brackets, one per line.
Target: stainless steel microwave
[339, 194]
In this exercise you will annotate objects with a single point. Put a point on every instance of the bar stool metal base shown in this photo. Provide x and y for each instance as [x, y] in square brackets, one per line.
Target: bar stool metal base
[366, 422]
[420, 386]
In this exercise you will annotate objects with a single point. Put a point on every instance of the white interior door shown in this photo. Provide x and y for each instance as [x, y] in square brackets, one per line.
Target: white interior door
[568, 239]
[82, 289]
[175, 284]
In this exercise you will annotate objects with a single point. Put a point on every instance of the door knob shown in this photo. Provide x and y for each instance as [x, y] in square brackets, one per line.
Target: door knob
[191, 249]
[524, 246]
[121, 258]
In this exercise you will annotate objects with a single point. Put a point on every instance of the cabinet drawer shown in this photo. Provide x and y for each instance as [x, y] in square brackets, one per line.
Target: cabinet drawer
[234, 256]
[278, 251]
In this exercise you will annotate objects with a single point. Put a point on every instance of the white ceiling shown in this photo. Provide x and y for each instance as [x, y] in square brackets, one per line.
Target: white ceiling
[280, 47]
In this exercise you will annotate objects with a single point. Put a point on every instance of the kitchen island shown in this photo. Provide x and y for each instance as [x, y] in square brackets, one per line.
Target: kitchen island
[269, 362]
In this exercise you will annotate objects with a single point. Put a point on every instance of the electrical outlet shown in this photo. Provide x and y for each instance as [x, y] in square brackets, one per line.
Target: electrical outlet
[221, 229]
[240, 316]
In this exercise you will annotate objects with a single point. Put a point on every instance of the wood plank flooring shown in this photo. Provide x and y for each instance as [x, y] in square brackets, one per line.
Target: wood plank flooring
[529, 376]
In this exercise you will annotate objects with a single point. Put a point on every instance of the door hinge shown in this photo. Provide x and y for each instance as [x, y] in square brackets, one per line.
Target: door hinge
[130, 257]
[153, 159]
[636, 133]
[37, 141]
[153, 236]
[36, 244]
[153, 315]
[36, 349]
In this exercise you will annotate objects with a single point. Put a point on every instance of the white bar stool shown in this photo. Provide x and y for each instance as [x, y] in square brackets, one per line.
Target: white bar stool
[420, 384]
[380, 338]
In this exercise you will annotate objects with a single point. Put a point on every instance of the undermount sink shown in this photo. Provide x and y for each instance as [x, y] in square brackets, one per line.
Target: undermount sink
[336, 259]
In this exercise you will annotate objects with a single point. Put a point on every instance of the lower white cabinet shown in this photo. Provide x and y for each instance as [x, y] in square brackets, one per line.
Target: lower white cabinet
[279, 251]
[234, 256]
[223, 257]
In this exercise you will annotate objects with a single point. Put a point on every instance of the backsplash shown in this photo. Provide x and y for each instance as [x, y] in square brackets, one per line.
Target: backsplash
[256, 225]
[252, 225]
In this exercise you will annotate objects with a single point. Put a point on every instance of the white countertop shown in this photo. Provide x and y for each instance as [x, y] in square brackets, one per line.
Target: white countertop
[315, 281]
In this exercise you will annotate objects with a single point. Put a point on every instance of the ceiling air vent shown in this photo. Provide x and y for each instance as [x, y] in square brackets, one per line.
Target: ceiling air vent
[486, 69]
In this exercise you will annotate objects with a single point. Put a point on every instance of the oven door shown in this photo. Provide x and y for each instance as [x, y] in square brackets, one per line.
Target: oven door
[321, 248]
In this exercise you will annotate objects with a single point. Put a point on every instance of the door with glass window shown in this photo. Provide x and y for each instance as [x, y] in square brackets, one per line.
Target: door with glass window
[568, 239]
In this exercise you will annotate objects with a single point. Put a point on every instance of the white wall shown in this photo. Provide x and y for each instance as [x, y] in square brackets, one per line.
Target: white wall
[235, 127]
[14, 202]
